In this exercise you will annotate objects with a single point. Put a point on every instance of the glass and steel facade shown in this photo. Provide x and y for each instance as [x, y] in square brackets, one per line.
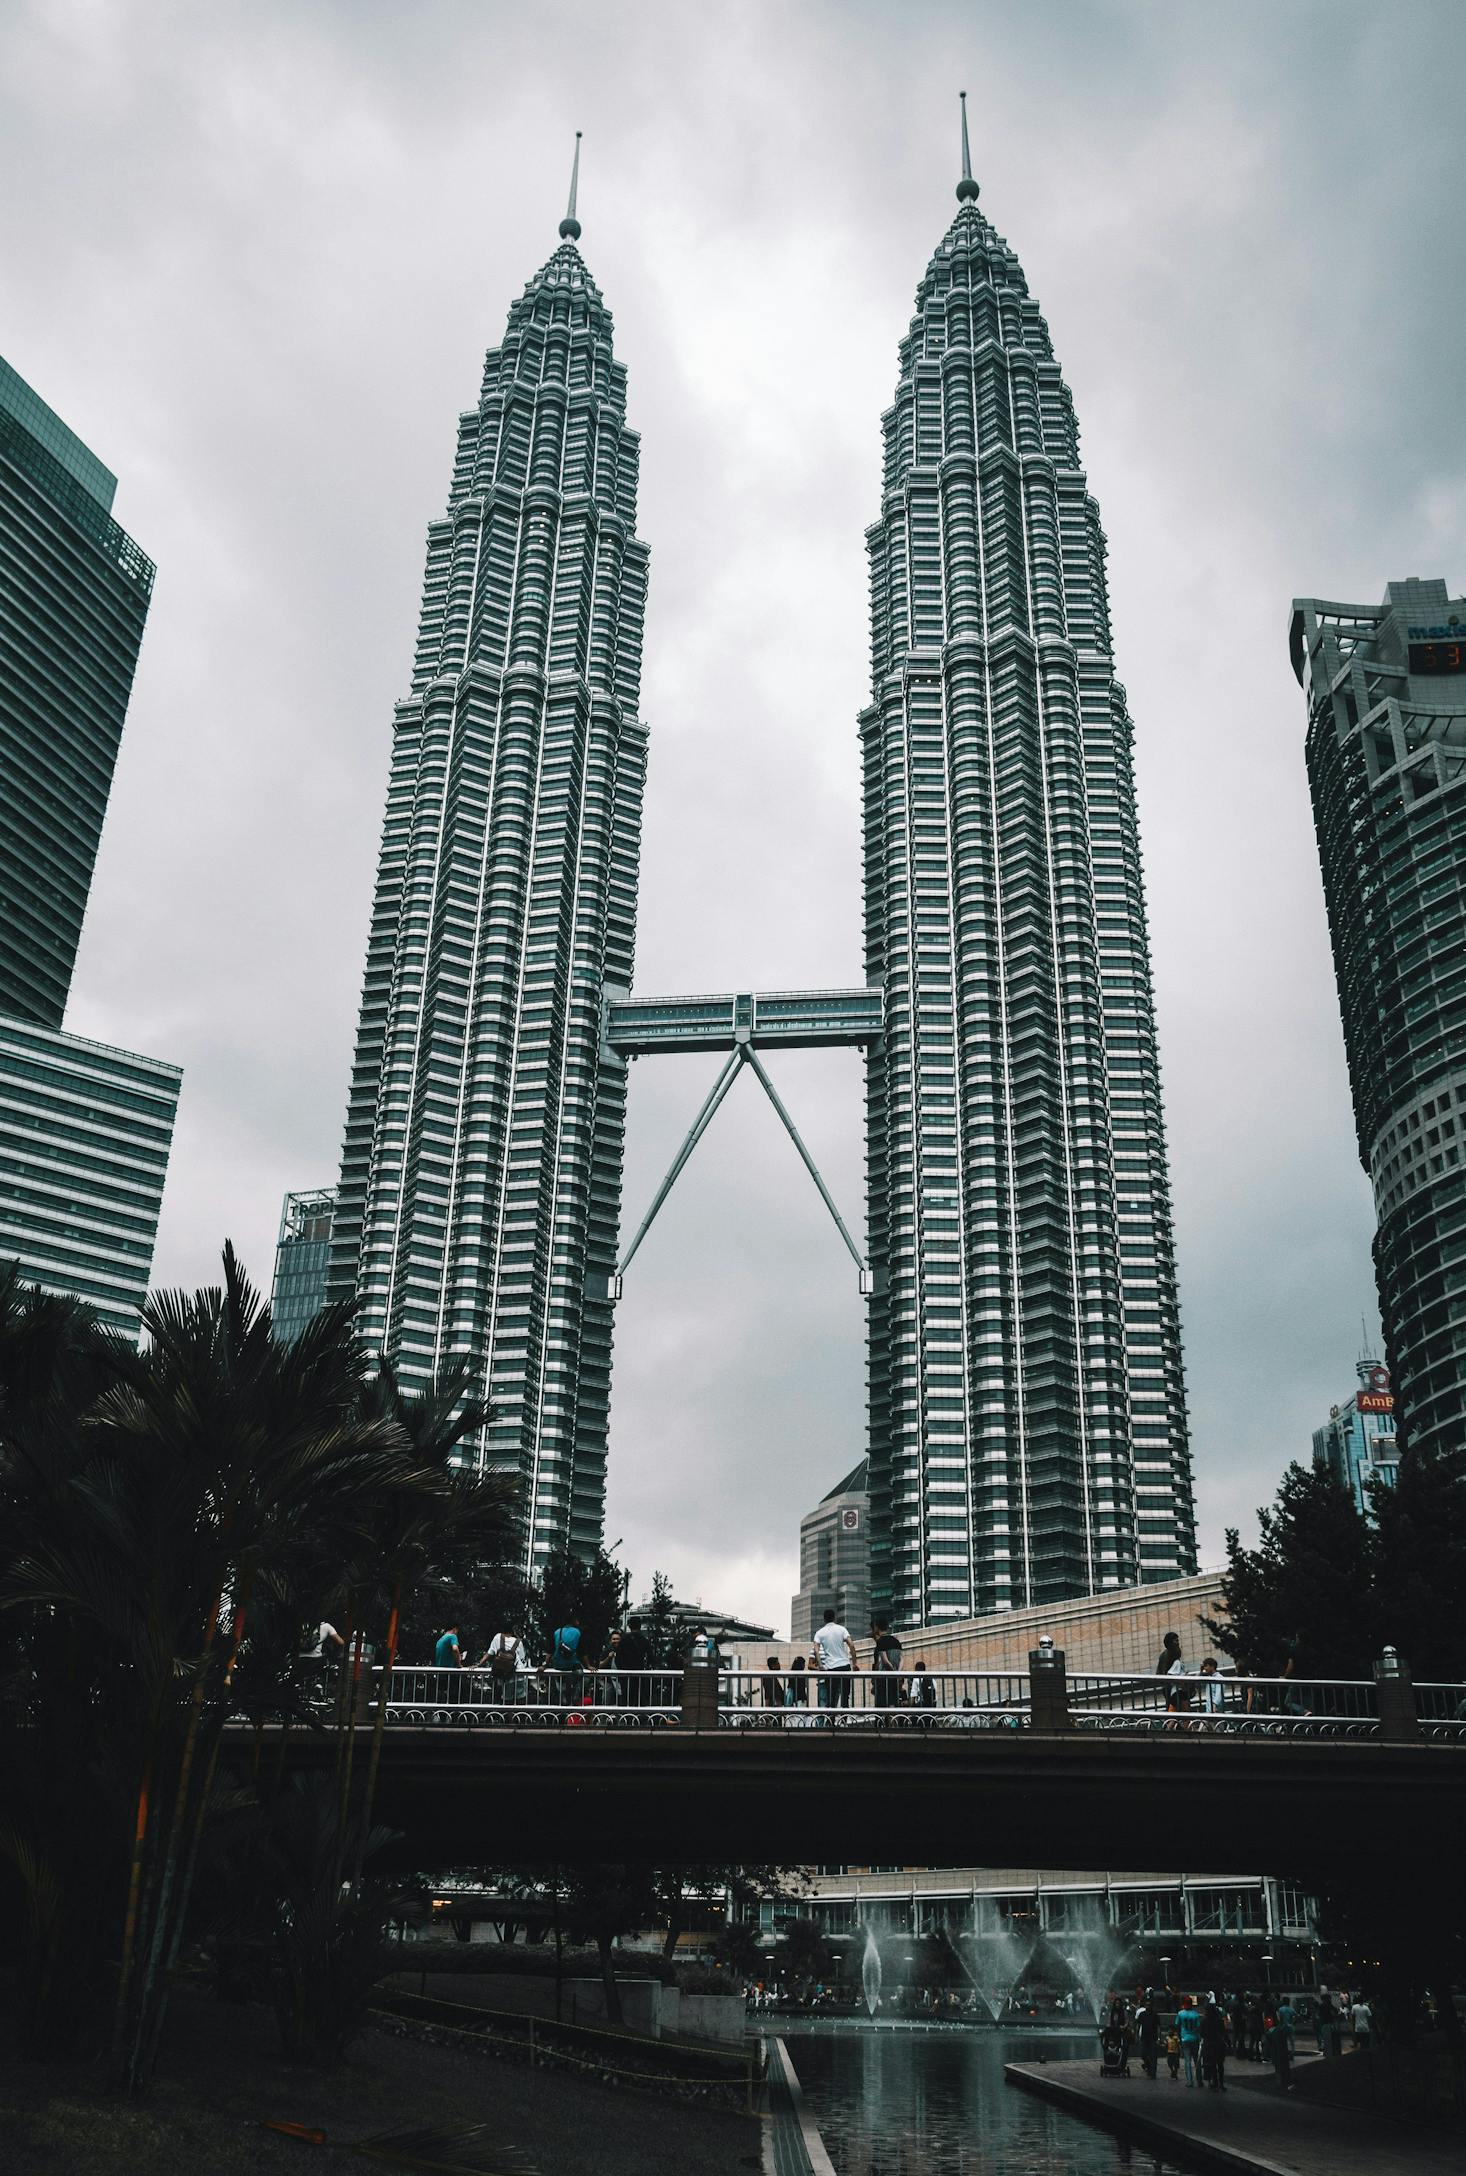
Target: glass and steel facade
[302, 1261]
[1357, 1444]
[481, 1174]
[74, 593]
[84, 1137]
[1028, 1433]
[1386, 752]
[834, 1561]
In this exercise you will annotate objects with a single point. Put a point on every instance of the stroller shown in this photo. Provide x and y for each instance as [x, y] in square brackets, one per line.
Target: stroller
[1114, 2050]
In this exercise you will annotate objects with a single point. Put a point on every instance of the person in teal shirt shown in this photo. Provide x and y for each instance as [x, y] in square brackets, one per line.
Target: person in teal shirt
[448, 1655]
[1188, 2025]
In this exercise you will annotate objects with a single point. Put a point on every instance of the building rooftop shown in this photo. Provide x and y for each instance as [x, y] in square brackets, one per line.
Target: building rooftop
[22, 402]
[856, 1483]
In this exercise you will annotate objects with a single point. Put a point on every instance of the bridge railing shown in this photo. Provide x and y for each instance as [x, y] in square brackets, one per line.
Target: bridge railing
[477, 1698]
[872, 1699]
[1442, 1713]
[1238, 1706]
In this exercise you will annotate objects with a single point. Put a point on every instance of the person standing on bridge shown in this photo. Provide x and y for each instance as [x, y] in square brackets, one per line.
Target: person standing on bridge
[836, 1651]
[565, 1654]
[771, 1684]
[635, 1658]
[885, 1663]
[447, 1654]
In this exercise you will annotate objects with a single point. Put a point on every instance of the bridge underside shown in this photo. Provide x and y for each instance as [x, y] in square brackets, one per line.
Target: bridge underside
[944, 1798]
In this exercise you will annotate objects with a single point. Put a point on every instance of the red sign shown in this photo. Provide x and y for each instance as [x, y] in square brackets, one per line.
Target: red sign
[1375, 1401]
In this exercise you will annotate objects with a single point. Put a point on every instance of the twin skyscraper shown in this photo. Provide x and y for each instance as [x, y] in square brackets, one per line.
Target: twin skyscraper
[1027, 1415]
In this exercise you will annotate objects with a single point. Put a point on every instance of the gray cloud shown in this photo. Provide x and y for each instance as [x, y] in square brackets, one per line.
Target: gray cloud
[254, 256]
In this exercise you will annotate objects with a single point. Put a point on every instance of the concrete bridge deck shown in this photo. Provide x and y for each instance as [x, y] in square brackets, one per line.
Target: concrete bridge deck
[1166, 1801]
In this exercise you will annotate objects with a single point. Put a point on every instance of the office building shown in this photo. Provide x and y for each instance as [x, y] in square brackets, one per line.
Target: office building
[85, 1130]
[1386, 753]
[834, 1560]
[481, 1173]
[1027, 1426]
[84, 1139]
[302, 1259]
[74, 592]
[1357, 1445]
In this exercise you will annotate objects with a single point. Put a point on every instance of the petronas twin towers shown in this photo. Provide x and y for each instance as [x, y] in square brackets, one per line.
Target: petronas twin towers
[1027, 1417]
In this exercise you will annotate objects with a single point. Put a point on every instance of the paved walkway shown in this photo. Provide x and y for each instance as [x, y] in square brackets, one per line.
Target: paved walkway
[1249, 2127]
[792, 2145]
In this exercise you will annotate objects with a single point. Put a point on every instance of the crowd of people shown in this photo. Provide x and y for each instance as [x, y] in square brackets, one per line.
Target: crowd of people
[1200, 2032]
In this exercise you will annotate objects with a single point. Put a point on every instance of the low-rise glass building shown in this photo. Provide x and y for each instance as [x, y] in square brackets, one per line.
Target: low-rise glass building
[85, 1132]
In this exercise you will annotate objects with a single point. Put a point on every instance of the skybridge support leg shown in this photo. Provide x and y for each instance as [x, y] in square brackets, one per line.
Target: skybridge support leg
[695, 1133]
[809, 1163]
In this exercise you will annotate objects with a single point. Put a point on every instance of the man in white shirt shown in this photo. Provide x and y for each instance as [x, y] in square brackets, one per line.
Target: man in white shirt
[836, 1651]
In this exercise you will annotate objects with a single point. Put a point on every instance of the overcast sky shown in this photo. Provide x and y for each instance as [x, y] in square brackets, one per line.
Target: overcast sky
[253, 254]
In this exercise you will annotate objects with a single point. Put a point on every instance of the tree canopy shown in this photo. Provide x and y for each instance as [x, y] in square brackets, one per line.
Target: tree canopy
[1333, 1589]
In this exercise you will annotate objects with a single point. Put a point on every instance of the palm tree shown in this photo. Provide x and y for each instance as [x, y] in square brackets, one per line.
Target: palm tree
[214, 1460]
[462, 1519]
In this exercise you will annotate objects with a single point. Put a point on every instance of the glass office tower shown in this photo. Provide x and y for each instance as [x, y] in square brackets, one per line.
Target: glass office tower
[74, 592]
[1027, 1413]
[1386, 750]
[481, 1174]
[302, 1261]
[85, 1130]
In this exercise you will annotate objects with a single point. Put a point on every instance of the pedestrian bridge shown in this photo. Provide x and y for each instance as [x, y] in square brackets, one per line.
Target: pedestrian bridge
[992, 1769]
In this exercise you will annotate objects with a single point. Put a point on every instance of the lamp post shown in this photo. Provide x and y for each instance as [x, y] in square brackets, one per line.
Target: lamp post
[1166, 1972]
[1267, 1968]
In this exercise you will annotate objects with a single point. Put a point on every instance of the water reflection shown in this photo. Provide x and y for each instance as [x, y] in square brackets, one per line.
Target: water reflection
[893, 2104]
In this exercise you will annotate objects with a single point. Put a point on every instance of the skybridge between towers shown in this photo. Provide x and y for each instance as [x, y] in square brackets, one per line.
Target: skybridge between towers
[742, 1024]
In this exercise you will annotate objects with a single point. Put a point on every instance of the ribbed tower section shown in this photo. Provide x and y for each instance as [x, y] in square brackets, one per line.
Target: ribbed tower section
[1028, 1429]
[481, 1174]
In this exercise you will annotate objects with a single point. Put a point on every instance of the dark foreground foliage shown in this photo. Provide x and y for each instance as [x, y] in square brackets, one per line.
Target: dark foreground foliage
[174, 1525]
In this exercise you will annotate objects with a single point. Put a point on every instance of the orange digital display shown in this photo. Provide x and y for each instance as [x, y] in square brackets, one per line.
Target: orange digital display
[1438, 656]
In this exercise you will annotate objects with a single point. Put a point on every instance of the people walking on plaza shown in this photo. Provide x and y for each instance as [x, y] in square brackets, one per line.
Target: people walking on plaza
[1188, 2025]
[447, 1653]
[1148, 2034]
[1237, 2023]
[1361, 2019]
[1288, 2019]
[1214, 2048]
[1275, 2050]
[836, 1651]
[771, 1685]
[1173, 2054]
[885, 1663]
[1256, 2020]
[1326, 2024]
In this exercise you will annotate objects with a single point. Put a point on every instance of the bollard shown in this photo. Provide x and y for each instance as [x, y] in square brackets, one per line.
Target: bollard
[1048, 1688]
[700, 1696]
[1399, 1721]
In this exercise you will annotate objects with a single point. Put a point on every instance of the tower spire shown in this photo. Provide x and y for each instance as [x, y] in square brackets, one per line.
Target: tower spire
[966, 187]
[570, 225]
